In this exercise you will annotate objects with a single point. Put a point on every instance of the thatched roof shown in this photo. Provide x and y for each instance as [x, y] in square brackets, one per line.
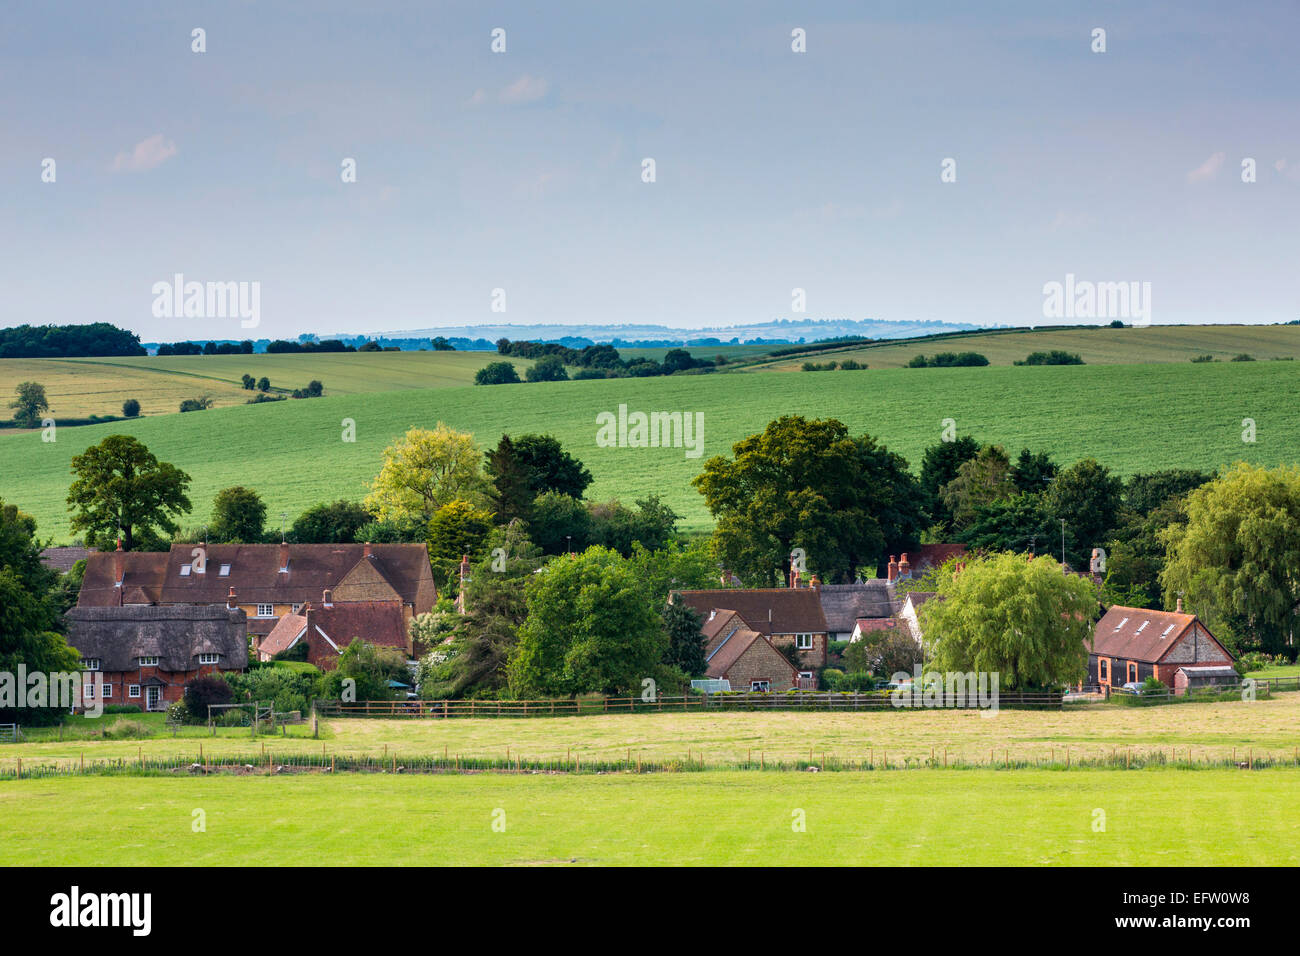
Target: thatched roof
[845, 604]
[175, 635]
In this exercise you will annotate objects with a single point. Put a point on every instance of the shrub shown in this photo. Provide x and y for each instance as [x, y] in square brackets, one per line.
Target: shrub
[1054, 357]
[180, 714]
[852, 365]
[497, 373]
[819, 366]
[589, 373]
[199, 404]
[124, 729]
[547, 369]
[131, 408]
[1203, 358]
[263, 384]
[949, 360]
[121, 708]
[263, 397]
[1243, 357]
[202, 691]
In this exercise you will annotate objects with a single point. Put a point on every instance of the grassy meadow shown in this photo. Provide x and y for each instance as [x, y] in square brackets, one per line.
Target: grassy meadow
[893, 819]
[1130, 417]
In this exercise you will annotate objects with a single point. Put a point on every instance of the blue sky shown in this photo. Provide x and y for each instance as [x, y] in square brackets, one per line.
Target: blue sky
[522, 170]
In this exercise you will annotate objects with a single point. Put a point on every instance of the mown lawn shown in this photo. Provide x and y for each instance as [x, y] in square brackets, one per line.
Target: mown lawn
[1019, 818]
[1262, 728]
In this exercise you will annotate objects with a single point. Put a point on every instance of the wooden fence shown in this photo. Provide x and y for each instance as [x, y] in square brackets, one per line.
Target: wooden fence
[9, 733]
[693, 703]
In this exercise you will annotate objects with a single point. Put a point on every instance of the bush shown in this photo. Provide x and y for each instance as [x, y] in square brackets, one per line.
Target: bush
[121, 708]
[202, 691]
[852, 365]
[263, 397]
[124, 729]
[199, 404]
[497, 373]
[1054, 357]
[1243, 357]
[589, 373]
[178, 713]
[949, 360]
[1203, 358]
[547, 369]
[819, 366]
[131, 408]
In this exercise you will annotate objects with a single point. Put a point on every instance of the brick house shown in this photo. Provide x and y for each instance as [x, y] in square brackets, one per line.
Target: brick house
[844, 605]
[785, 616]
[329, 626]
[267, 581]
[1131, 644]
[749, 661]
[146, 655]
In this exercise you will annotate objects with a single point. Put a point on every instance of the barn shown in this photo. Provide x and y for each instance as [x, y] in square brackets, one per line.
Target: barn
[1131, 644]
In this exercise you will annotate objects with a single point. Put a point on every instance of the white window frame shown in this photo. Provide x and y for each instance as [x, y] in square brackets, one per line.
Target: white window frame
[755, 688]
[266, 610]
[147, 662]
[185, 570]
[90, 663]
[108, 690]
[133, 690]
[88, 691]
[799, 644]
[806, 675]
[224, 571]
[295, 608]
[209, 659]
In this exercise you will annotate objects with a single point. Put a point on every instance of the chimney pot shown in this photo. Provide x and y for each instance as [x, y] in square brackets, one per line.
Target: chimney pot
[892, 569]
[230, 599]
[284, 557]
[1179, 606]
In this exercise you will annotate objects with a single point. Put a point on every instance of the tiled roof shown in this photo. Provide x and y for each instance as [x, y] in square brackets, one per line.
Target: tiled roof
[766, 610]
[1139, 634]
[283, 635]
[62, 559]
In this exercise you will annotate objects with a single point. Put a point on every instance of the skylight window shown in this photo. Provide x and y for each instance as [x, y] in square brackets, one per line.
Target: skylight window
[1143, 627]
[185, 570]
[1121, 624]
[225, 570]
[1167, 630]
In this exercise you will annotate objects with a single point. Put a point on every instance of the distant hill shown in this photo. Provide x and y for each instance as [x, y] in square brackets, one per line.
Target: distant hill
[780, 331]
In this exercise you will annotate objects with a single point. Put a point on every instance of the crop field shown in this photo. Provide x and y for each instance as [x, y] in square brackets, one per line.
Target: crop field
[1202, 731]
[892, 819]
[1096, 346]
[80, 387]
[1130, 417]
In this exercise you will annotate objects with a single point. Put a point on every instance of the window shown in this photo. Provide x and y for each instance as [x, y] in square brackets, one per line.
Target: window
[108, 691]
[1132, 672]
[225, 571]
[90, 663]
[132, 690]
[266, 610]
[296, 608]
[803, 642]
[148, 662]
[185, 570]
[760, 686]
[1103, 670]
[88, 691]
[209, 658]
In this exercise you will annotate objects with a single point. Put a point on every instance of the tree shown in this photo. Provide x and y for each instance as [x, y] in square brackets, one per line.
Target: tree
[29, 613]
[131, 408]
[496, 373]
[618, 527]
[200, 404]
[370, 667]
[29, 404]
[551, 468]
[1144, 493]
[202, 692]
[559, 523]
[685, 640]
[315, 389]
[334, 523]
[512, 490]
[981, 480]
[939, 464]
[1136, 555]
[884, 653]
[547, 369]
[1020, 523]
[808, 484]
[1234, 558]
[1021, 619]
[121, 486]
[588, 630]
[250, 383]
[263, 384]
[1031, 472]
[423, 471]
[1088, 497]
[456, 529]
[675, 567]
[238, 515]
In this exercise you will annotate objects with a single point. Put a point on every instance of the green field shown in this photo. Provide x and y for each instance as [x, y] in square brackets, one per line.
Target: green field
[914, 818]
[1096, 346]
[1130, 417]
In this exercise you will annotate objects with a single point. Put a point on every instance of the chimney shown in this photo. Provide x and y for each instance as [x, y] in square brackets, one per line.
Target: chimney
[119, 562]
[904, 567]
[1178, 608]
[284, 558]
[814, 582]
[891, 572]
[230, 600]
[366, 552]
[327, 598]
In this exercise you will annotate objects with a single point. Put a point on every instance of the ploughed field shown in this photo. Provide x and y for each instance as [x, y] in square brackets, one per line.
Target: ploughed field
[293, 453]
[917, 818]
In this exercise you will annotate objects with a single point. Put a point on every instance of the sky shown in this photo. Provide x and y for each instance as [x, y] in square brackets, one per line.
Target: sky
[523, 170]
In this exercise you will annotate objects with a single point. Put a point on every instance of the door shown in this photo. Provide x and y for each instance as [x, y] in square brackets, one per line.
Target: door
[152, 696]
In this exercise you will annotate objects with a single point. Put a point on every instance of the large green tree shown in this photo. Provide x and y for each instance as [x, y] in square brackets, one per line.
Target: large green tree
[238, 515]
[29, 613]
[589, 629]
[1089, 498]
[456, 529]
[1234, 560]
[122, 486]
[808, 484]
[939, 464]
[685, 640]
[550, 467]
[980, 481]
[1021, 619]
[422, 471]
[334, 523]
[29, 404]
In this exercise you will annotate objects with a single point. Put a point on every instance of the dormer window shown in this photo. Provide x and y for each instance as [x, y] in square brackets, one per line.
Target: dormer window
[209, 658]
[225, 571]
[90, 663]
[185, 570]
[148, 661]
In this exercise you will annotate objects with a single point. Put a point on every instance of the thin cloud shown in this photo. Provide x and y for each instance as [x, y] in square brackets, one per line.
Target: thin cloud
[526, 89]
[1207, 170]
[146, 154]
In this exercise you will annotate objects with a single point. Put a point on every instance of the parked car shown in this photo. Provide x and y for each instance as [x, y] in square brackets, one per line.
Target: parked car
[1133, 687]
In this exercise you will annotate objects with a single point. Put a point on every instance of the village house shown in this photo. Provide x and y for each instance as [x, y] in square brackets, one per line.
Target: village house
[1131, 644]
[328, 627]
[744, 658]
[146, 655]
[267, 581]
[788, 617]
[846, 605]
